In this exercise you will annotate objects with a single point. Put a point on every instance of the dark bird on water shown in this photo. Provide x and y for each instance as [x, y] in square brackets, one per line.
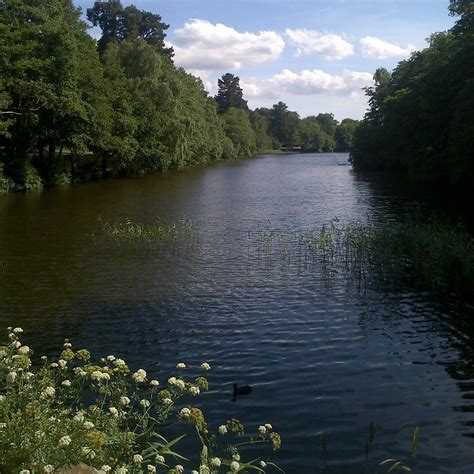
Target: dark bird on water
[242, 390]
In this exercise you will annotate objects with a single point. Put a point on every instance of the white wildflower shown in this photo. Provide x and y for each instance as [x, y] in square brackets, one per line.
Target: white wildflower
[159, 459]
[23, 350]
[89, 452]
[194, 390]
[234, 466]
[205, 366]
[262, 430]
[223, 429]
[65, 441]
[121, 470]
[181, 365]
[236, 457]
[24, 471]
[263, 464]
[179, 468]
[17, 330]
[110, 358]
[180, 384]
[48, 468]
[145, 403]
[172, 380]
[216, 462]
[62, 363]
[66, 383]
[88, 425]
[151, 468]
[154, 383]
[113, 411]
[96, 375]
[185, 413]
[139, 376]
[268, 426]
[79, 417]
[48, 392]
[17, 344]
[167, 401]
[106, 468]
[67, 345]
[137, 459]
[11, 377]
[124, 400]
[54, 365]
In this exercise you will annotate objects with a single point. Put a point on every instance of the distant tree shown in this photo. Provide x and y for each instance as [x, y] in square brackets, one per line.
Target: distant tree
[239, 129]
[328, 123]
[345, 134]
[284, 124]
[260, 125]
[312, 138]
[119, 24]
[230, 94]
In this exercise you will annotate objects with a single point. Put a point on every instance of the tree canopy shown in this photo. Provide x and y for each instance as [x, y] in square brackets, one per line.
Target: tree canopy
[73, 109]
[418, 122]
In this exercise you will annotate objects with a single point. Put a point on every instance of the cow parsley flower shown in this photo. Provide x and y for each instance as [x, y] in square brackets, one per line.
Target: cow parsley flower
[65, 441]
[139, 376]
[124, 400]
[223, 429]
[205, 366]
[234, 466]
[181, 365]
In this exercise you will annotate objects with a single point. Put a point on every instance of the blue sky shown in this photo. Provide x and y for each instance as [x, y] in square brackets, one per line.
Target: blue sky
[315, 55]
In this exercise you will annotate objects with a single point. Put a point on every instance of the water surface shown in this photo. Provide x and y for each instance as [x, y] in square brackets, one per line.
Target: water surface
[321, 354]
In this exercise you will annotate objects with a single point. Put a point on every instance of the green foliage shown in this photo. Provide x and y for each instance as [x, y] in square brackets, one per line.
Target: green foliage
[419, 121]
[239, 129]
[120, 24]
[59, 413]
[72, 109]
[230, 94]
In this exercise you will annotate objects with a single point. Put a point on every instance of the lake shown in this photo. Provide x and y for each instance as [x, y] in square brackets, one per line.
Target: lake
[323, 353]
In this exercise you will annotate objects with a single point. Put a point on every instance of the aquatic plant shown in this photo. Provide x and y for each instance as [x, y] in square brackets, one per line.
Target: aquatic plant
[72, 410]
[430, 253]
[126, 231]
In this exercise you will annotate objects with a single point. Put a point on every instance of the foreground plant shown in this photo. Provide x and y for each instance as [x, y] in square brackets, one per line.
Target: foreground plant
[72, 410]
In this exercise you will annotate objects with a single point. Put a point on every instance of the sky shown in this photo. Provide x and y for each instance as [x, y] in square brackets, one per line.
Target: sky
[314, 55]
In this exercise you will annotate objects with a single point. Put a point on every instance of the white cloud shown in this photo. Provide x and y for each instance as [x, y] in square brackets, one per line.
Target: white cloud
[202, 45]
[373, 47]
[330, 46]
[319, 82]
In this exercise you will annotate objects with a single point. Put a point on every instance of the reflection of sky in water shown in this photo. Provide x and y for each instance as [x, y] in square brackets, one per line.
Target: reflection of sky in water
[320, 355]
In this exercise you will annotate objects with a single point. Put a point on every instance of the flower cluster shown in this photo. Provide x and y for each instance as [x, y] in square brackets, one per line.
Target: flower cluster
[72, 410]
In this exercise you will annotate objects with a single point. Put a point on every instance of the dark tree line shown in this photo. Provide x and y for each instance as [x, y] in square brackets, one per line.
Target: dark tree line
[420, 120]
[74, 109]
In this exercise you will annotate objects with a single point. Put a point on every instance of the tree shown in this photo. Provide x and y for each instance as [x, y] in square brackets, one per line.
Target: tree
[230, 94]
[120, 24]
[46, 62]
[345, 134]
[284, 124]
[239, 129]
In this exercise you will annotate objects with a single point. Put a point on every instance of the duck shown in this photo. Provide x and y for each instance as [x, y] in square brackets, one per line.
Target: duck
[242, 390]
